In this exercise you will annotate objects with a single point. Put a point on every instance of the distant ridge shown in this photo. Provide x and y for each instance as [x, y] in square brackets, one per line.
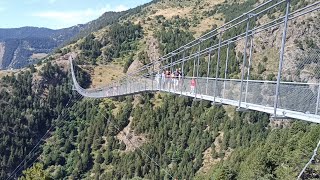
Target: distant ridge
[17, 45]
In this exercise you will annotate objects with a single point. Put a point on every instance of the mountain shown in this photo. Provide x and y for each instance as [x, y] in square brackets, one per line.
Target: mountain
[59, 35]
[152, 135]
[22, 46]
[109, 18]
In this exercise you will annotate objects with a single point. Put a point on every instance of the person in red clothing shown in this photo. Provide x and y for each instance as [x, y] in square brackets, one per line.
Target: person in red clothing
[193, 85]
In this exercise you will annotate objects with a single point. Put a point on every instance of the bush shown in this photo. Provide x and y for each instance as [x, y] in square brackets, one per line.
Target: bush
[128, 63]
[261, 68]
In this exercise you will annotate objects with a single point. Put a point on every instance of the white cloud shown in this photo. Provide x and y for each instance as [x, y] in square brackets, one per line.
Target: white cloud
[121, 8]
[70, 18]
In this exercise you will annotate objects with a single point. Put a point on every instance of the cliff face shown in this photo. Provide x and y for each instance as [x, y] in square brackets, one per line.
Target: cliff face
[15, 53]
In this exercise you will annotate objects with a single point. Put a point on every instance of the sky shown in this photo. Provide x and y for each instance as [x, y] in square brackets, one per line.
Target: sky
[56, 14]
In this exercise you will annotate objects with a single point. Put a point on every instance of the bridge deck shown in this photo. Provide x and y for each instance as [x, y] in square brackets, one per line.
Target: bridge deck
[229, 95]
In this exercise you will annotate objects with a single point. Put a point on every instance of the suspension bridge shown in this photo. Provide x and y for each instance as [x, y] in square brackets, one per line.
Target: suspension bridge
[286, 33]
[283, 98]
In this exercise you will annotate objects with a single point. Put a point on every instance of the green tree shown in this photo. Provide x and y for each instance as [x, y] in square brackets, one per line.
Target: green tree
[36, 172]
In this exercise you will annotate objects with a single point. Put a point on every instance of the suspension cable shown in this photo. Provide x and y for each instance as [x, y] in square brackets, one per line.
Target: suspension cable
[38, 143]
[35, 159]
[310, 161]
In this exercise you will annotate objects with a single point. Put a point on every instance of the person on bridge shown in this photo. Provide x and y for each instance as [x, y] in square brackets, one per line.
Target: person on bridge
[193, 85]
[180, 78]
[168, 79]
[176, 79]
[173, 81]
[163, 79]
[158, 79]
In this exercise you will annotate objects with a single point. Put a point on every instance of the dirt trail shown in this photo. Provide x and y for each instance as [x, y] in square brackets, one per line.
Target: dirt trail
[208, 160]
[153, 50]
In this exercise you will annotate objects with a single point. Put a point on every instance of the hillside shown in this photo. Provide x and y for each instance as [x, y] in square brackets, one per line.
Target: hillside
[22, 46]
[59, 35]
[24, 101]
[150, 136]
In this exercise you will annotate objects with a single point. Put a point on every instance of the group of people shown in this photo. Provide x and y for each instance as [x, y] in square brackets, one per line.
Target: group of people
[170, 80]
[167, 80]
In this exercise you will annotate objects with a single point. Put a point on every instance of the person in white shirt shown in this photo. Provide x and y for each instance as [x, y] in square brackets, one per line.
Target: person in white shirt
[158, 79]
[163, 78]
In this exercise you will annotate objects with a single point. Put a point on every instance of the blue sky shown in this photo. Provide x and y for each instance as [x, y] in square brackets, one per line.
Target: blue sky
[57, 14]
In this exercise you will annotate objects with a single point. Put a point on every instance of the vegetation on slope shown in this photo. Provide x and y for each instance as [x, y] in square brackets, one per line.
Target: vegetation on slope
[30, 102]
[178, 133]
[26, 115]
[118, 41]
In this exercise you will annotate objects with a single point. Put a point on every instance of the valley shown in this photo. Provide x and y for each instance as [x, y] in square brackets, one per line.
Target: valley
[49, 131]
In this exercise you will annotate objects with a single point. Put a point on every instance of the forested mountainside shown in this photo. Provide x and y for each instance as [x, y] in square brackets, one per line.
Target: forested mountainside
[22, 46]
[162, 22]
[146, 136]
[136, 137]
[124, 138]
[29, 102]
